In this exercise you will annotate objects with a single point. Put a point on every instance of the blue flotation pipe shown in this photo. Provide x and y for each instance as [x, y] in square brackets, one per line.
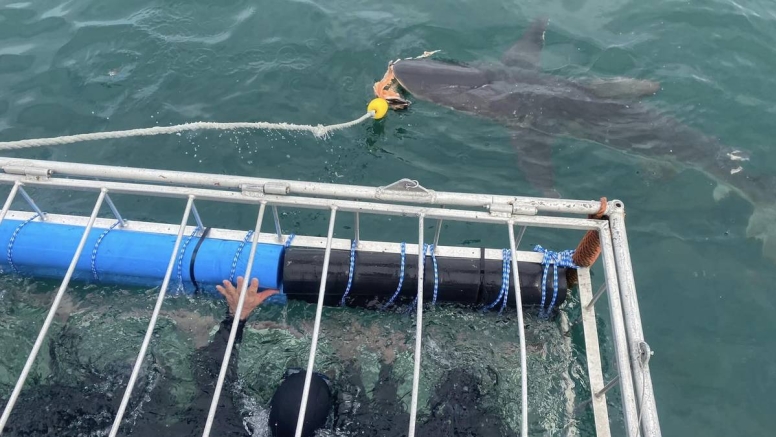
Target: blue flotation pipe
[133, 258]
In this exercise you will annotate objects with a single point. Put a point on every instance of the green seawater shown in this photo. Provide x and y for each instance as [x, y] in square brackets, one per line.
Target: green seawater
[705, 290]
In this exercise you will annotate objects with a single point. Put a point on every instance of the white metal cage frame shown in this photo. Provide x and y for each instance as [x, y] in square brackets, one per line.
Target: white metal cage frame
[403, 198]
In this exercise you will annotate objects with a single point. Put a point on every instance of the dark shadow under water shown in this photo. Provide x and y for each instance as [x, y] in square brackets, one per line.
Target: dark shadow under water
[77, 400]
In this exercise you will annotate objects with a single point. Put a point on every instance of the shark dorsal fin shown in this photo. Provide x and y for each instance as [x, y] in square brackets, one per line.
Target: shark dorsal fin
[526, 52]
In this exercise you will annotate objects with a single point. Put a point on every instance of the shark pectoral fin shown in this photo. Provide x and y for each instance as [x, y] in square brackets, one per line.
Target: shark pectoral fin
[534, 158]
[621, 87]
[527, 51]
[762, 226]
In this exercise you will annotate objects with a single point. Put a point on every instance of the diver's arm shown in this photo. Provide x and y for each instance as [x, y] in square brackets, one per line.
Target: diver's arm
[207, 360]
[210, 357]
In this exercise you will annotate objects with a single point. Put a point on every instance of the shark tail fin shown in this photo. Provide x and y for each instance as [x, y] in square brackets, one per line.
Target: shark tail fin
[762, 226]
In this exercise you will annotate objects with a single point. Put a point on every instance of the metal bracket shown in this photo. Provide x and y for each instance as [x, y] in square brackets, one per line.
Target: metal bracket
[404, 188]
[510, 209]
[276, 188]
[30, 172]
[645, 352]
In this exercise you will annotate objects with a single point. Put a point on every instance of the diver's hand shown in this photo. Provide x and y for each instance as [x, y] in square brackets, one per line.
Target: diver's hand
[252, 298]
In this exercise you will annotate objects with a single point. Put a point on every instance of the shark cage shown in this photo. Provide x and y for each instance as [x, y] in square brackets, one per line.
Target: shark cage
[318, 269]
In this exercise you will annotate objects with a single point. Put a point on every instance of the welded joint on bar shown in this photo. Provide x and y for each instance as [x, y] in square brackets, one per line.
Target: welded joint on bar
[32, 204]
[511, 209]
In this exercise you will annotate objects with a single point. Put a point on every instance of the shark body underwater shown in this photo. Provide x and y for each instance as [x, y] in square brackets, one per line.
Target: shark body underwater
[537, 108]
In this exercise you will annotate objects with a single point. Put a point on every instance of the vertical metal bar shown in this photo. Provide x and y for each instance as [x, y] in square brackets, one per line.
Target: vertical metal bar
[152, 322]
[317, 326]
[194, 211]
[52, 311]
[233, 332]
[593, 354]
[437, 232]
[521, 330]
[32, 203]
[358, 228]
[115, 211]
[9, 200]
[618, 331]
[641, 375]
[276, 217]
[418, 331]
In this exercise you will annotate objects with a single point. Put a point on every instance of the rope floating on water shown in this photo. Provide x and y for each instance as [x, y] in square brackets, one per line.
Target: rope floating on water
[320, 131]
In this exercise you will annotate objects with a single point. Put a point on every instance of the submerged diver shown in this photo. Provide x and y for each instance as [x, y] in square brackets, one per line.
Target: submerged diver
[285, 403]
[86, 404]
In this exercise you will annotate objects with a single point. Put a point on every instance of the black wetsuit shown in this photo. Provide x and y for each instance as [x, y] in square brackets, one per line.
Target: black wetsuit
[67, 406]
[86, 403]
[206, 365]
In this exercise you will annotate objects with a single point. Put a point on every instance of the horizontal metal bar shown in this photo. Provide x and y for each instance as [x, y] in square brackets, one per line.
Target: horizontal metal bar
[50, 317]
[299, 240]
[584, 207]
[315, 203]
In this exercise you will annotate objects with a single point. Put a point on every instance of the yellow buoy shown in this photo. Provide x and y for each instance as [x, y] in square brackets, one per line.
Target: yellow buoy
[380, 106]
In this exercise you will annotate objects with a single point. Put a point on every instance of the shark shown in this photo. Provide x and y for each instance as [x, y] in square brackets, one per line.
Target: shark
[538, 108]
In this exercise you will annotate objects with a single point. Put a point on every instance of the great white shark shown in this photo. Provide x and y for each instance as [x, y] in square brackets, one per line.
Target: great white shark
[538, 108]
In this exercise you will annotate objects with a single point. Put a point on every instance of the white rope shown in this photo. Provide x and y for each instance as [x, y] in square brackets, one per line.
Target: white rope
[320, 131]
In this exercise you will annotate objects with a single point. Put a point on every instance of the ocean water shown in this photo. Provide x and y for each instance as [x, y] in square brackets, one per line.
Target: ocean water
[705, 289]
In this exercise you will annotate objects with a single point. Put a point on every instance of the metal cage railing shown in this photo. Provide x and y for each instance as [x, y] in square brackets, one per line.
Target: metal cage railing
[403, 198]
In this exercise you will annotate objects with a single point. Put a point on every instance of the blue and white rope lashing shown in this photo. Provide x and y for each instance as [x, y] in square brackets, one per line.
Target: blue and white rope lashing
[350, 271]
[556, 259]
[102, 236]
[237, 255]
[401, 275]
[9, 252]
[506, 268]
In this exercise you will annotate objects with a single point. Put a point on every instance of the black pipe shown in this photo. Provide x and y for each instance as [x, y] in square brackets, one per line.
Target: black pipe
[466, 281]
